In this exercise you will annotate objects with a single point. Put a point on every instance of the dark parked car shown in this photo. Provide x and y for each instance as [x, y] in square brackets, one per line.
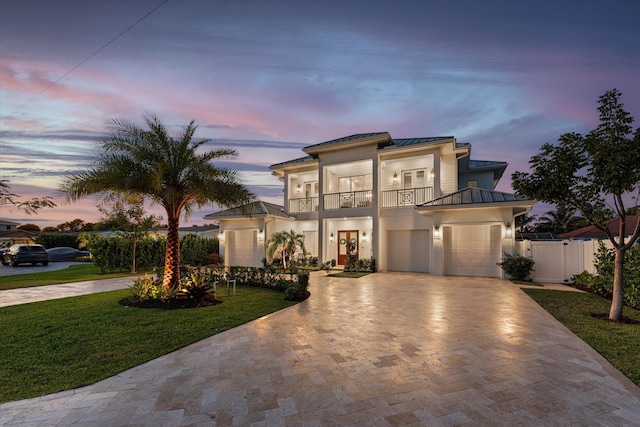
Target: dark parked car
[67, 254]
[25, 254]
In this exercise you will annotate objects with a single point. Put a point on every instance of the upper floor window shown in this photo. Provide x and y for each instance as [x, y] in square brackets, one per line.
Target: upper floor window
[355, 183]
[473, 183]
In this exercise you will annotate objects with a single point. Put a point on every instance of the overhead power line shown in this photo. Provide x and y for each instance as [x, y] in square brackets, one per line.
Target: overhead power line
[91, 56]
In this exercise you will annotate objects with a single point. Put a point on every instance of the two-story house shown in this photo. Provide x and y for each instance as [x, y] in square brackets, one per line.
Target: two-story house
[415, 204]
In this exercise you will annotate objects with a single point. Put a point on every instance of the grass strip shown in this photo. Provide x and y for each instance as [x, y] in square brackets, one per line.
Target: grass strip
[74, 273]
[57, 345]
[619, 343]
[350, 275]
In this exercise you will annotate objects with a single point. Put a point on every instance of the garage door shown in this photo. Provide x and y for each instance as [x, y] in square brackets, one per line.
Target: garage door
[241, 248]
[408, 250]
[472, 250]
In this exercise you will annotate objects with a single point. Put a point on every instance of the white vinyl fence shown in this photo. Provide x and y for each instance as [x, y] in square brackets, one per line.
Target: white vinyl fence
[557, 261]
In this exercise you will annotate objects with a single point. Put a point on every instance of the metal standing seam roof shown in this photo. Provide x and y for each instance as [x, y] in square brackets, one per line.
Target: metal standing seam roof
[258, 208]
[292, 162]
[469, 196]
[478, 164]
[402, 142]
[346, 139]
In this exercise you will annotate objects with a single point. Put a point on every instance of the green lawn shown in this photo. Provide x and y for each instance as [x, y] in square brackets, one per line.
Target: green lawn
[350, 274]
[56, 345]
[75, 273]
[619, 343]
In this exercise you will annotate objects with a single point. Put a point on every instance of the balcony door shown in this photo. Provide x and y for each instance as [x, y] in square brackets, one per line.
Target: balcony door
[344, 237]
[412, 180]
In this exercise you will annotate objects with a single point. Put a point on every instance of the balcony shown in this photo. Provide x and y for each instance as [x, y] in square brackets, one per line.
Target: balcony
[305, 204]
[351, 199]
[408, 197]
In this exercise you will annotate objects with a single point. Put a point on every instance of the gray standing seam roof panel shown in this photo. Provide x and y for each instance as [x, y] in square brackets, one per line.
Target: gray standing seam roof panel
[469, 196]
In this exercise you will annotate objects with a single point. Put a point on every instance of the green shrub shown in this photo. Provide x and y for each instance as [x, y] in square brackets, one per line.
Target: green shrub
[115, 253]
[326, 266]
[197, 250]
[516, 266]
[146, 287]
[56, 240]
[361, 265]
[602, 282]
[298, 290]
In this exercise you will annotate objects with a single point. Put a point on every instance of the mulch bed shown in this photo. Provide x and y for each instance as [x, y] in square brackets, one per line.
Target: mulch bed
[207, 301]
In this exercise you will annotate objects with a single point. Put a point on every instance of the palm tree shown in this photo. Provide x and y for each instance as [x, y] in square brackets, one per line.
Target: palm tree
[562, 220]
[174, 173]
[288, 242]
[522, 222]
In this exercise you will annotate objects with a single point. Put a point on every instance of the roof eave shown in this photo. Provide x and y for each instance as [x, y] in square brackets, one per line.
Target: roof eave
[511, 204]
[320, 148]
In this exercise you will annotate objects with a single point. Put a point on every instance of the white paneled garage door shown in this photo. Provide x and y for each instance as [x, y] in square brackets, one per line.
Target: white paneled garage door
[408, 250]
[472, 250]
[241, 248]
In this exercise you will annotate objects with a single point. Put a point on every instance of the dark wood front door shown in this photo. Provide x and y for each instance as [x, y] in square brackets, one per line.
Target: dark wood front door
[344, 237]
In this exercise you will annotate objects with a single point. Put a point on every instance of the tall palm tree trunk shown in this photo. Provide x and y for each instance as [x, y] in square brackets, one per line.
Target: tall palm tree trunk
[171, 276]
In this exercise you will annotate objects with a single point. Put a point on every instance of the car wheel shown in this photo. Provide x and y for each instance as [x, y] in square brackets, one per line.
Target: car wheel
[4, 262]
[15, 264]
[45, 263]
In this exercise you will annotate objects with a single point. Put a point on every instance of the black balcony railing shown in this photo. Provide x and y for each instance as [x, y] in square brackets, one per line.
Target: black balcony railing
[351, 199]
[306, 204]
[408, 197]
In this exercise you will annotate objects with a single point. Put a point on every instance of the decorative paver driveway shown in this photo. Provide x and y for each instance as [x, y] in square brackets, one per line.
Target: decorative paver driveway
[386, 349]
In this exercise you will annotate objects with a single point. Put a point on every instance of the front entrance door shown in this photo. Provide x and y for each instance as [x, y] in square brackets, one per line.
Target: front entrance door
[345, 237]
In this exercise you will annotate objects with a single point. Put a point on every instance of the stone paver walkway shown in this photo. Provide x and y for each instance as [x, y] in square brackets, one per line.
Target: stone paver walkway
[386, 349]
[43, 293]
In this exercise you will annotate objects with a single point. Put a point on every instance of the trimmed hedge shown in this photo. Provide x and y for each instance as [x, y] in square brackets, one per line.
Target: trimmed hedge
[56, 240]
[115, 253]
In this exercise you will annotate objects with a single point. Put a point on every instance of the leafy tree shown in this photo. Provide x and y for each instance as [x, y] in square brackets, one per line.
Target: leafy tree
[288, 242]
[50, 229]
[560, 221]
[586, 171]
[30, 206]
[127, 214]
[75, 225]
[28, 227]
[173, 172]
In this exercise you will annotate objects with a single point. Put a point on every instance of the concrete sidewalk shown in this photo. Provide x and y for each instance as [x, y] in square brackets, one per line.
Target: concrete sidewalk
[43, 293]
[382, 350]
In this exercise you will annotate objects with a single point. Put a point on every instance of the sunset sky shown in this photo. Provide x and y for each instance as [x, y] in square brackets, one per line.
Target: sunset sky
[270, 77]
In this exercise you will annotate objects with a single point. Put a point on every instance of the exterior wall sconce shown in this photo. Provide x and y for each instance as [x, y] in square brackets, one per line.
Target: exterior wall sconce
[260, 235]
[332, 238]
[298, 189]
[395, 177]
[221, 236]
[508, 232]
[364, 236]
[433, 174]
[436, 232]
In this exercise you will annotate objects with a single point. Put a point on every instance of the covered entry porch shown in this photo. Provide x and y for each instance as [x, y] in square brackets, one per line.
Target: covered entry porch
[344, 234]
